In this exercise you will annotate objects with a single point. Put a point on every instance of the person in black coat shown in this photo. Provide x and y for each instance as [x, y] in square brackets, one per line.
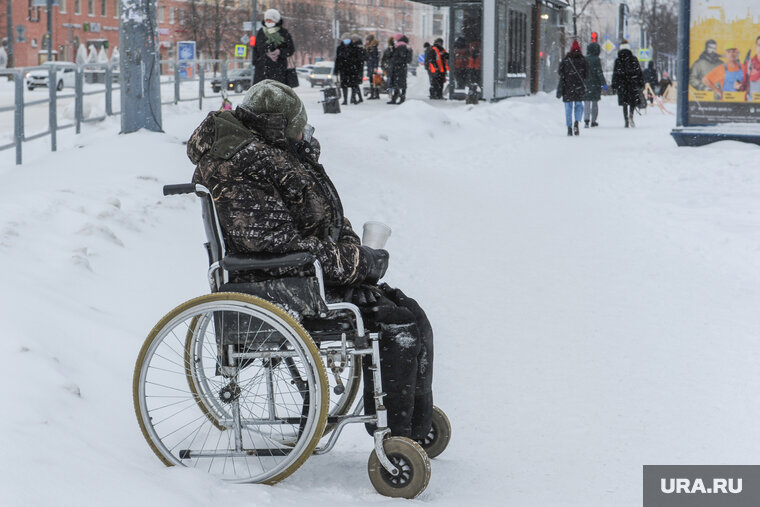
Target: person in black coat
[349, 66]
[273, 47]
[627, 81]
[373, 60]
[398, 66]
[573, 71]
[650, 77]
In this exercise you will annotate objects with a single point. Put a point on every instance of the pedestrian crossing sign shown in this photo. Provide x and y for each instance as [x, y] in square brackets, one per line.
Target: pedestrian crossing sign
[645, 54]
[241, 50]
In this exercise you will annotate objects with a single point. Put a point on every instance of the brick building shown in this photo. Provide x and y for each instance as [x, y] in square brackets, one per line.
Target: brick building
[311, 22]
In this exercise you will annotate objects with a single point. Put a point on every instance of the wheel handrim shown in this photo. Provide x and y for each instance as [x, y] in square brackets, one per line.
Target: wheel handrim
[193, 427]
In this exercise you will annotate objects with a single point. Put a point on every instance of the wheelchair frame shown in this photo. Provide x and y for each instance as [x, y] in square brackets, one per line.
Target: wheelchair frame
[384, 473]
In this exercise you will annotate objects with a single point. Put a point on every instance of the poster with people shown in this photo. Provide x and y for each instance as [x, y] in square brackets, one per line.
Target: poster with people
[724, 61]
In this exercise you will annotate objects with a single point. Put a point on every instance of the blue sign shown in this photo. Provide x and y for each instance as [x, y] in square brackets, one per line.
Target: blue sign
[185, 51]
[421, 58]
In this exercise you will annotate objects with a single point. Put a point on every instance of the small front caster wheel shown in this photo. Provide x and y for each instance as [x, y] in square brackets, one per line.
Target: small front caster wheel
[412, 463]
[438, 437]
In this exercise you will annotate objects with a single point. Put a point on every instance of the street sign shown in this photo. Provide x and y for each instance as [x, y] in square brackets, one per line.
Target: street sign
[608, 46]
[247, 26]
[241, 50]
[645, 54]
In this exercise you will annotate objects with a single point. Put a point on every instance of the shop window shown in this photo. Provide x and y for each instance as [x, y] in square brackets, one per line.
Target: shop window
[518, 51]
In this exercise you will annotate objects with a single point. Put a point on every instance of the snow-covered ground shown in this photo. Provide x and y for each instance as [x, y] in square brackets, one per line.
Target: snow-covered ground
[595, 301]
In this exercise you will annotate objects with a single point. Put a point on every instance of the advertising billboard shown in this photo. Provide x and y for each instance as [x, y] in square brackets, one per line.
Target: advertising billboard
[186, 51]
[724, 62]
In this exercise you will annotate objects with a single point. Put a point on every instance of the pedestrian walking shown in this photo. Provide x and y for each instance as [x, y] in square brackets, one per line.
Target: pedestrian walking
[437, 62]
[398, 65]
[273, 47]
[573, 71]
[650, 78]
[595, 82]
[373, 61]
[627, 82]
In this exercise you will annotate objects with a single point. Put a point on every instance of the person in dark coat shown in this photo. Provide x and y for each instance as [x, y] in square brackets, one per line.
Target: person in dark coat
[594, 84]
[373, 61]
[273, 196]
[349, 67]
[385, 62]
[573, 71]
[398, 67]
[437, 63]
[273, 47]
[627, 81]
[650, 78]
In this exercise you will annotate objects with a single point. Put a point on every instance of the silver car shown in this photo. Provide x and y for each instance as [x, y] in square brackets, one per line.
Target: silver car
[64, 76]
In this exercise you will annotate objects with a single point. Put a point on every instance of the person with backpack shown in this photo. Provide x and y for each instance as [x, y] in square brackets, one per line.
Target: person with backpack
[627, 82]
[573, 71]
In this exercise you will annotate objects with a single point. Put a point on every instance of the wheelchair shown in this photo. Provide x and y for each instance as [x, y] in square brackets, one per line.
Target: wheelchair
[245, 383]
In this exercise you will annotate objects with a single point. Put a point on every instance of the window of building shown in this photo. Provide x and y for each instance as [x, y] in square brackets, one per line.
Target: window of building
[182, 17]
[62, 6]
[171, 15]
[501, 41]
[77, 6]
[518, 47]
[161, 16]
[34, 13]
[116, 8]
[103, 7]
[91, 7]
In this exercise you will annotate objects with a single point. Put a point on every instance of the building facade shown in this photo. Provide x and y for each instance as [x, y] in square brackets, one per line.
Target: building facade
[316, 25]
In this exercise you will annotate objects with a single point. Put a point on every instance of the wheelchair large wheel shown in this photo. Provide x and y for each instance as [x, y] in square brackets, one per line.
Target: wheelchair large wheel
[439, 435]
[232, 385]
[412, 463]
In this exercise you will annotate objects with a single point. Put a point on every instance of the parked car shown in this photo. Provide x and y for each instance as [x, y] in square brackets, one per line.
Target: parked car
[65, 75]
[238, 80]
[322, 74]
[304, 71]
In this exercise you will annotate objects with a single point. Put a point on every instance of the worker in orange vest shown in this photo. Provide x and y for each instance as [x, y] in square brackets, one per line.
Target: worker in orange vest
[437, 63]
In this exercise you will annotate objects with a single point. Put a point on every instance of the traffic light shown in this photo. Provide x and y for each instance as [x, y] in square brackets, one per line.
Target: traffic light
[252, 41]
[594, 37]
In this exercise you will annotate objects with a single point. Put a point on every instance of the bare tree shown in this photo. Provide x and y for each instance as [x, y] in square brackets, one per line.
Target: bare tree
[579, 7]
[660, 20]
[215, 26]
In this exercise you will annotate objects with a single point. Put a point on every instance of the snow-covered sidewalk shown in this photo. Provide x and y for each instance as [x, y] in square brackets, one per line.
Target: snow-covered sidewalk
[594, 300]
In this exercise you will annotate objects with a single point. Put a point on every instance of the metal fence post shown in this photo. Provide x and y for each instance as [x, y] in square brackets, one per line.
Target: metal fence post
[176, 81]
[109, 84]
[52, 107]
[201, 76]
[78, 98]
[18, 116]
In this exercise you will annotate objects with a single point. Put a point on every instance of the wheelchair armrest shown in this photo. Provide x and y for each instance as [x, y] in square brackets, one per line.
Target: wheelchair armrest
[248, 262]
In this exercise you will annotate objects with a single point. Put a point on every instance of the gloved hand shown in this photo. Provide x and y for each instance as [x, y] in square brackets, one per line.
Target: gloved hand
[604, 87]
[362, 295]
[378, 263]
[273, 55]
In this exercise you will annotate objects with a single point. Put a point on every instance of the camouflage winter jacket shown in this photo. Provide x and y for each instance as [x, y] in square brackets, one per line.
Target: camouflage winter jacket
[272, 195]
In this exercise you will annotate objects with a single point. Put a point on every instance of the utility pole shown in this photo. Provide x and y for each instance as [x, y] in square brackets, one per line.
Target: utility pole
[11, 34]
[50, 29]
[139, 67]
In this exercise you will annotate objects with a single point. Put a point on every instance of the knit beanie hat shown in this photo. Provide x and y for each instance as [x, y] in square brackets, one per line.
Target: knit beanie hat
[397, 36]
[270, 96]
[576, 46]
[273, 14]
[624, 44]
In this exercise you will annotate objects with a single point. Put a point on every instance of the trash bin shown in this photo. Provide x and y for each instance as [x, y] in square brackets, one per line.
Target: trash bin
[330, 100]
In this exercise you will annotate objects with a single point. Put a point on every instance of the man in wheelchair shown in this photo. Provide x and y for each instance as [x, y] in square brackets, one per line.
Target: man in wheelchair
[272, 195]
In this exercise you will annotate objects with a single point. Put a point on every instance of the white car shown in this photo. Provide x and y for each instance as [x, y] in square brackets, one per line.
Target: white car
[64, 76]
[304, 71]
[322, 74]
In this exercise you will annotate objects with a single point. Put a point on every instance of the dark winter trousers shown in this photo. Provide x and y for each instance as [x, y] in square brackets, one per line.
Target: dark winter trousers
[436, 85]
[406, 363]
[628, 111]
[590, 109]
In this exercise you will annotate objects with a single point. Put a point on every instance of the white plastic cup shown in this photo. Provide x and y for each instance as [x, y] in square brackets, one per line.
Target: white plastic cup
[375, 234]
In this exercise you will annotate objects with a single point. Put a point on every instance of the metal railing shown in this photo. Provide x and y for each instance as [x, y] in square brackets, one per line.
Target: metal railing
[174, 73]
